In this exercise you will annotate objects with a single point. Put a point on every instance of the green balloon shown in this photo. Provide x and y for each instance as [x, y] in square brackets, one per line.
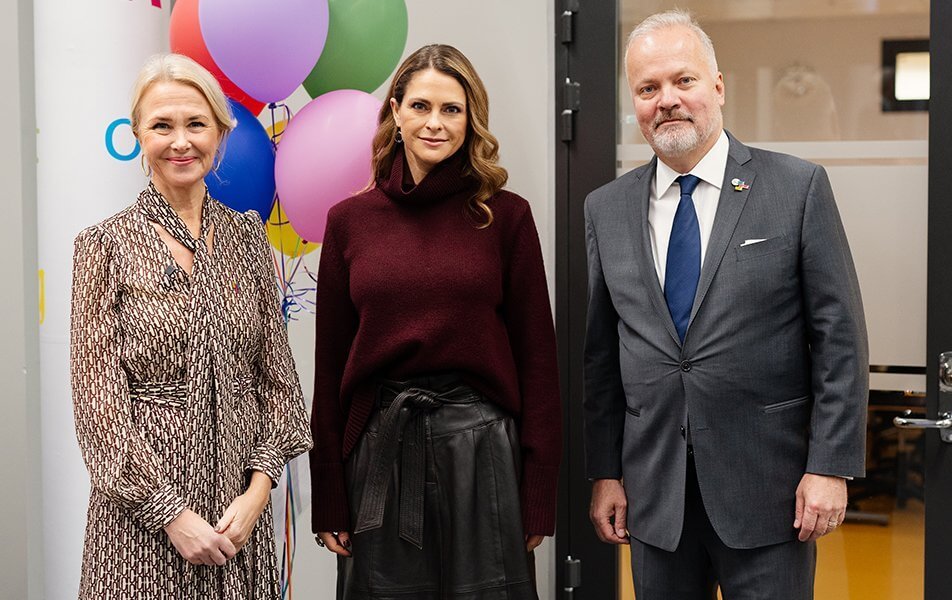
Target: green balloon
[365, 39]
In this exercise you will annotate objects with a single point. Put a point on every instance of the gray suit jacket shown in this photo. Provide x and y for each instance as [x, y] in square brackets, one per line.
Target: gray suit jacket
[773, 372]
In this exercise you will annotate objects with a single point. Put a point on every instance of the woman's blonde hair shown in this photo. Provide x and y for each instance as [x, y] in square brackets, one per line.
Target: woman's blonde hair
[182, 69]
[480, 148]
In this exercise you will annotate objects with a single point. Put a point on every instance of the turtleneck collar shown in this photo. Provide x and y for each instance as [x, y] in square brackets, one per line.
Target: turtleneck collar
[446, 179]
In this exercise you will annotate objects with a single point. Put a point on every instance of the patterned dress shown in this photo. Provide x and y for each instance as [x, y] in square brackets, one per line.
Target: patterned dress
[182, 385]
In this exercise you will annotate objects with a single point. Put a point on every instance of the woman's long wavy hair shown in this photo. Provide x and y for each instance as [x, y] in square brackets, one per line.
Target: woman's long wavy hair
[480, 146]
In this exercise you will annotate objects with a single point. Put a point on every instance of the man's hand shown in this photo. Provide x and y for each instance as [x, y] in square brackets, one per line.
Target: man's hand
[197, 542]
[821, 505]
[609, 511]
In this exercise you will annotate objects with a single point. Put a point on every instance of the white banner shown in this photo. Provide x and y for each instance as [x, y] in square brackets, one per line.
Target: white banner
[87, 57]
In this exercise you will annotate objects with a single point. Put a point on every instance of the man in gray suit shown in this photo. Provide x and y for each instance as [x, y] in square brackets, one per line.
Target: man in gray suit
[726, 361]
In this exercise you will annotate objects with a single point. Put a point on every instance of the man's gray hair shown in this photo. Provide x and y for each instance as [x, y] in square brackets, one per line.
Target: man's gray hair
[674, 18]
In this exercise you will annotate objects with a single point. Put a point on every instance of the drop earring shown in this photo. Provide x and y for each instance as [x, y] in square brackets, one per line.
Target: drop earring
[399, 137]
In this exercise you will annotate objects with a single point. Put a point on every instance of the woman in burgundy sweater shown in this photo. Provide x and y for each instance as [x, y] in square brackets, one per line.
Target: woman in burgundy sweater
[436, 419]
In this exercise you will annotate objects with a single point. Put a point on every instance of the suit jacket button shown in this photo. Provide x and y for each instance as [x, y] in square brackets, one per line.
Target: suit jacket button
[686, 366]
[682, 431]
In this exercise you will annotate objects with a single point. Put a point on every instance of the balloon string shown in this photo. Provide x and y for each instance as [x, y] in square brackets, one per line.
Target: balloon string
[289, 543]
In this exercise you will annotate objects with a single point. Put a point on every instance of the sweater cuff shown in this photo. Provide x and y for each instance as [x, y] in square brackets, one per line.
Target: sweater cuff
[159, 509]
[269, 461]
[329, 507]
[538, 494]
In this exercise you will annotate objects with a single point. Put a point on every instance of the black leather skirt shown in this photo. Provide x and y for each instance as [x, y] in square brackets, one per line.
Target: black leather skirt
[434, 494]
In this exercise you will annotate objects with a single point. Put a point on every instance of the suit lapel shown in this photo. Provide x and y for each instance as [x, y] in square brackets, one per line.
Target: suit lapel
[729, 208]
[641, 193]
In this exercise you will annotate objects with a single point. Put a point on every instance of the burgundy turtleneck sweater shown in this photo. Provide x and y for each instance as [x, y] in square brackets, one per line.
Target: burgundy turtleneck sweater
[408, 285]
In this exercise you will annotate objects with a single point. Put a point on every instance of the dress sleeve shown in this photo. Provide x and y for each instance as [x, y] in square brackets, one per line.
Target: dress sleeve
[336, 328]
[532, 337]
[121, 464]
[284, 432]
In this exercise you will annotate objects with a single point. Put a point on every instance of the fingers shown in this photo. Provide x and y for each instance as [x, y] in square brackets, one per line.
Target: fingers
[226, 519]
[820, 506]
[832, 521]
[798, 513]
[604, 529]
[808, 526]
[344, 537]
[608, 511]
[621, 522]
[609, 523]
[216, 557]
[818, 525]
[227, 547]
[533, 541]
[337, 543]
[215, 551]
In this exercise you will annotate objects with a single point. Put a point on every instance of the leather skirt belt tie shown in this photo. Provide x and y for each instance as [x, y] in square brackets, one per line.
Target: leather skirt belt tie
[403, 429]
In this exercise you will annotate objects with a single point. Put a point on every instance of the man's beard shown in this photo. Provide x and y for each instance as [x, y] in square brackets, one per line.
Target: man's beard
[678, 140]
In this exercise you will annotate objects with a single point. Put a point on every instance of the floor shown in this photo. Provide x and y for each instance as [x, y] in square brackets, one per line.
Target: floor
[858, 561]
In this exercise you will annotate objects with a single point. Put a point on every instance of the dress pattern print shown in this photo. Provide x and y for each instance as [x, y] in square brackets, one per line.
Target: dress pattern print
[182, 386]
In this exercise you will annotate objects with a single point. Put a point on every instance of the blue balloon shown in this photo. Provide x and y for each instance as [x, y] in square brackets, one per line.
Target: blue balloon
[245, 178]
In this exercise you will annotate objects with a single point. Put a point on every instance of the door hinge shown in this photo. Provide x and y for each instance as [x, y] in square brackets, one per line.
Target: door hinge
[573, 577]
[567, 21]
[571, 94]
[566, 26]
[571, 102]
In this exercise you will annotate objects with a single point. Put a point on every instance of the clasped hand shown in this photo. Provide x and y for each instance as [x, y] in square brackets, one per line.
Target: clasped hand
[201, 544]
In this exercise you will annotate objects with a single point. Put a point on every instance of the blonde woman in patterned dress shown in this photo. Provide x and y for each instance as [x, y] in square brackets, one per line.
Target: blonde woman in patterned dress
[186, 399]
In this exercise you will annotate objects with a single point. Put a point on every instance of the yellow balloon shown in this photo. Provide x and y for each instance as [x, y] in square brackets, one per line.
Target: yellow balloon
[277, 129]
[283, 237]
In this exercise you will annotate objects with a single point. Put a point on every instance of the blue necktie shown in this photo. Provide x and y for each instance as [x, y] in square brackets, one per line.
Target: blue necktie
[684, 257]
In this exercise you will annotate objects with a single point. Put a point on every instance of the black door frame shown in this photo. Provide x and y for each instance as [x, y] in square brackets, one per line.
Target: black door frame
[938, 462]
[581, 165]
[585, 53]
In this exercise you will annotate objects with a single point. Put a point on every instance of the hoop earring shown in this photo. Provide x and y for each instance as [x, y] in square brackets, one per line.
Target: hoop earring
[399, 137]
[145, 169]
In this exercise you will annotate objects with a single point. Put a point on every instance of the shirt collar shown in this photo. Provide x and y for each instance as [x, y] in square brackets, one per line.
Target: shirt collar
[711, 168]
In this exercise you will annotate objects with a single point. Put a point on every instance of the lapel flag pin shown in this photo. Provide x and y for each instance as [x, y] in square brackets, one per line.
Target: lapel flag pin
[739, 185]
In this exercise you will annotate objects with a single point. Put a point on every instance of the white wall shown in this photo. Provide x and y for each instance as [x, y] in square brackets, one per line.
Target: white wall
[87, 57]
[20, 524]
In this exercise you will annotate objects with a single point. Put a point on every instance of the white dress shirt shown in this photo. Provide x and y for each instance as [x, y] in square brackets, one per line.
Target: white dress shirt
[666, 193]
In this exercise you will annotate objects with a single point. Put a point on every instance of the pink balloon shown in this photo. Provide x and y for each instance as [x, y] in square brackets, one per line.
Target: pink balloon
[323, 157]
[266, 48]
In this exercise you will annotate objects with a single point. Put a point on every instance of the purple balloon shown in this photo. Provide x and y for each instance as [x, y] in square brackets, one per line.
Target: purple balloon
[324, 157]
[265, 48]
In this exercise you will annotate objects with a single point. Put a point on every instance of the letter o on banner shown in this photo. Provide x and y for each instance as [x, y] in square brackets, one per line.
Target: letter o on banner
[111, 147]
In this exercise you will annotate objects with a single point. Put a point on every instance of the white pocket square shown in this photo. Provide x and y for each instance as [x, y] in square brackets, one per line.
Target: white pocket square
[752, 242]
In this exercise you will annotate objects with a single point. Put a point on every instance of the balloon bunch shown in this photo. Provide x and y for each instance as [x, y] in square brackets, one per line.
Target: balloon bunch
[261, 52]
[293, 172]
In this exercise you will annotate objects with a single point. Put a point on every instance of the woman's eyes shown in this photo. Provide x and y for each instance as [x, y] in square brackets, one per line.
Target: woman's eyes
[194, 125]
[423, 107]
